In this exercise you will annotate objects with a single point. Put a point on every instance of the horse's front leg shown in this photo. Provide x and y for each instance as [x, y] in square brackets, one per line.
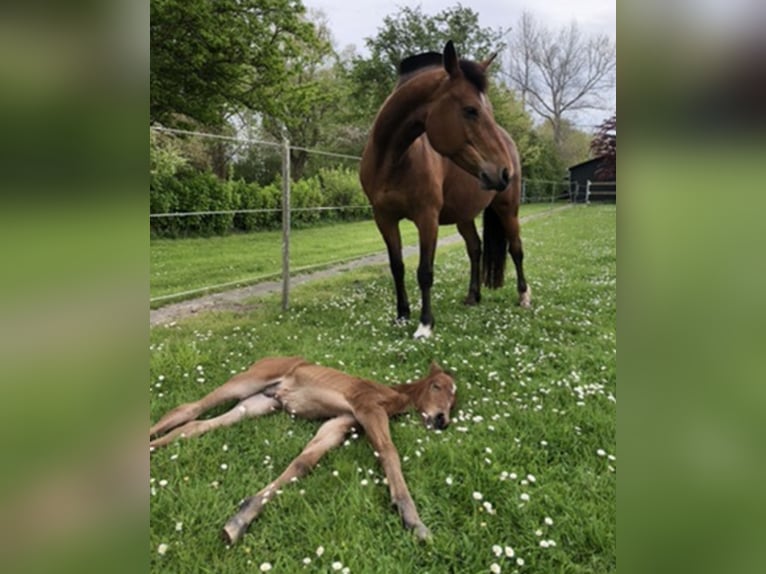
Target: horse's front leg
[428, 232]
[330, 435]
[376, 427]
[389, 229]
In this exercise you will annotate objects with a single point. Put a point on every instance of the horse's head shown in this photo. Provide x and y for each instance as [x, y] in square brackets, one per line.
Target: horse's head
[436, 397]
[460, 124]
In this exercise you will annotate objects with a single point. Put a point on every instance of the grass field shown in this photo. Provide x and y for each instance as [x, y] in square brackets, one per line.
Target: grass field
[524, 480]
[179, 265]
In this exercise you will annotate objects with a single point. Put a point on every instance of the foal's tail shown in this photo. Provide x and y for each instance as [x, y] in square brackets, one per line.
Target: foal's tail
[495, 252]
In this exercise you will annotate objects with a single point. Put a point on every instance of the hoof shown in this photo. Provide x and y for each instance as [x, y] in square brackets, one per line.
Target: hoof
[231, 532]
[423, 332]
[525, 298]
[472, 300]
[422, 533]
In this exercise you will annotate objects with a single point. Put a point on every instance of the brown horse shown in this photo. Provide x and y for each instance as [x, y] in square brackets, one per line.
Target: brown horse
[310, 391]
[436, 156]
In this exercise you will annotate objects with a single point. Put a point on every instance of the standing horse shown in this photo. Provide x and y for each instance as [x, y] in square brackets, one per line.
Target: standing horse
[436, 156]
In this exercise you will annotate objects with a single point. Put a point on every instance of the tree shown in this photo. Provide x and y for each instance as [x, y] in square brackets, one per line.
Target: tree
[574, 144]
[560, 72]
[539, 159]
[308, 97]
[604, 145]
[211, 56]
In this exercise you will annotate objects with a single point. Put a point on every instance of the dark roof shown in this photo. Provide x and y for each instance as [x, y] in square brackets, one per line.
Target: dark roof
[598, 159]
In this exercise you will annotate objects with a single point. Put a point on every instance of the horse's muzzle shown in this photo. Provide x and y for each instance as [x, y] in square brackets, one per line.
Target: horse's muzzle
[498, 183]
[440, 421]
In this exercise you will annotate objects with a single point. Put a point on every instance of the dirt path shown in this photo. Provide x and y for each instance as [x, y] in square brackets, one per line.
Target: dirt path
[234, 300]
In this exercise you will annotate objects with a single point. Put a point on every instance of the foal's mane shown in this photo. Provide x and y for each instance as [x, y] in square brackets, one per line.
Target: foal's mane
[412, 65]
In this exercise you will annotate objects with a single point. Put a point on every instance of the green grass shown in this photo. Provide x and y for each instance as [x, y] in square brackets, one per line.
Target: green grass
[536, 395]
[179, 265]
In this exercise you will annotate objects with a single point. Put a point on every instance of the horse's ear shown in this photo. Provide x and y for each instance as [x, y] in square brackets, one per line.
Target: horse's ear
[485, 64]
[435, 368]
[450, 60]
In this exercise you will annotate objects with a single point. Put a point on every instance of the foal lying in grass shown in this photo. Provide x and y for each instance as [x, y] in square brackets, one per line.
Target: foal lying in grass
[315, 392]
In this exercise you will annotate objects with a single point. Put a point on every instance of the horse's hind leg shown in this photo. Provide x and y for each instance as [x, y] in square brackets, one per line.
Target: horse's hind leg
[254, 406]
[517, 255]
[260, 375]
[473, 247]
[389, 229]
[330, 435]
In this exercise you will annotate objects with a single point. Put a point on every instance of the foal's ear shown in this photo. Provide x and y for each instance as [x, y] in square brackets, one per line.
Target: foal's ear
[485, 63]
[450, 60]
[435, 369]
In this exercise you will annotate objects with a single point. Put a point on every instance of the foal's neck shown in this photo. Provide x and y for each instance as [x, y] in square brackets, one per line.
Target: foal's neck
[402, 117]
[409, 393]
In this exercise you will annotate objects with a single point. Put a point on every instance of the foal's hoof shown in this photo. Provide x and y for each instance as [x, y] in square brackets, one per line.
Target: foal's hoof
[232, 532]
[525, 298]
[423, 332]
[422, 533]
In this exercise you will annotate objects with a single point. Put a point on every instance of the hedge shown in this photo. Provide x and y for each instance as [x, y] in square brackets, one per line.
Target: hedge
[192, 191]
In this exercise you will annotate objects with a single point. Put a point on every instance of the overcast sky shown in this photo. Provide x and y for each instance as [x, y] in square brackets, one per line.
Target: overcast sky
[351, 21]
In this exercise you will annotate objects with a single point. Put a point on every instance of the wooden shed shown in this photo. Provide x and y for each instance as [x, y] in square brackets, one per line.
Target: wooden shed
[600, 190]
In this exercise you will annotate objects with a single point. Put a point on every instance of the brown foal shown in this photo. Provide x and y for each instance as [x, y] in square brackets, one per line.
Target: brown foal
[315, 392]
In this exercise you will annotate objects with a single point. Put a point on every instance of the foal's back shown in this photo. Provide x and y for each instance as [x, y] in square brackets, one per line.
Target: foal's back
[316, 392]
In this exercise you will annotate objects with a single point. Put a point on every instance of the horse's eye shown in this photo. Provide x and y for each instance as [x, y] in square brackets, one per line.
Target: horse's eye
[470, 112]
[436, 387]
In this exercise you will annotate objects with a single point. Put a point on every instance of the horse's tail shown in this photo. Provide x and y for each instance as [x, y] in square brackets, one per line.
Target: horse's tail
[495, 252]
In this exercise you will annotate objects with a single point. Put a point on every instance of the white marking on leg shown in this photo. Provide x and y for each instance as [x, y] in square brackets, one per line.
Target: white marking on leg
[525, 298]
[423, 332]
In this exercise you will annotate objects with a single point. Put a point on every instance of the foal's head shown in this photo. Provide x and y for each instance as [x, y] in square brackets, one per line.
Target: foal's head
[436, 397]
[460, 124]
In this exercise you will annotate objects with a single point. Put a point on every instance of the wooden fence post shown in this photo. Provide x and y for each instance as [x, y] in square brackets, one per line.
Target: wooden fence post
[285, 224]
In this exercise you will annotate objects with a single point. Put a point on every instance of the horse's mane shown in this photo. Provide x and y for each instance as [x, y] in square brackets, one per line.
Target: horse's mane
[472, 71]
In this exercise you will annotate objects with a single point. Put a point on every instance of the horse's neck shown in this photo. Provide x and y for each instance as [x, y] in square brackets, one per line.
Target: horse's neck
[402, 117]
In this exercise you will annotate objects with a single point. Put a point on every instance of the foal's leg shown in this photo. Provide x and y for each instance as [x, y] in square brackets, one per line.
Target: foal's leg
[330, 435]
[251, 407]
[428, 232]
[260, 375]
[389, 229]
[375, 424]
[473, 247]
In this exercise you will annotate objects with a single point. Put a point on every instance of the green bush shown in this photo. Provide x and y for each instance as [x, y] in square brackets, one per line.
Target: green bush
[305, 193]
[341, 188]
[161, 200]
[192, 191]
[253, 196]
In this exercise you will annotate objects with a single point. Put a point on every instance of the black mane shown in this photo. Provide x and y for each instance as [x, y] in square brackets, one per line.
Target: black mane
[472, 71]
